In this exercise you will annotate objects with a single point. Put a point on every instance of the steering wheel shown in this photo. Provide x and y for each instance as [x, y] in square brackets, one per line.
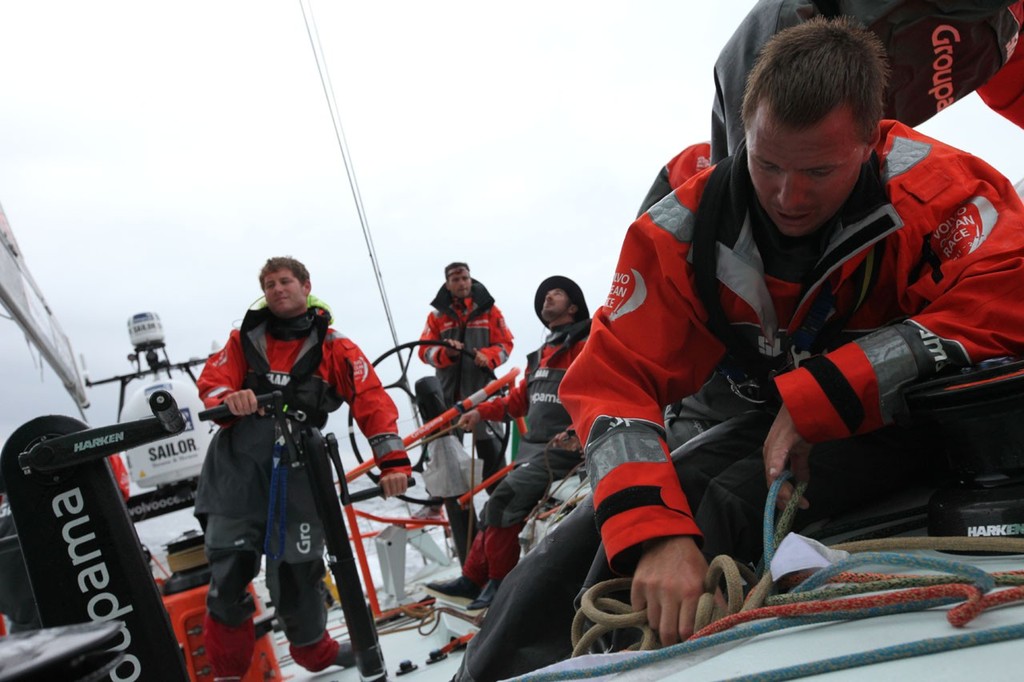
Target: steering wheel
[405, 353]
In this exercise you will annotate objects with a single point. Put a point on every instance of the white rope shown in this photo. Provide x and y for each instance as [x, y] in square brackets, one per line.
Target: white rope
[339, 133]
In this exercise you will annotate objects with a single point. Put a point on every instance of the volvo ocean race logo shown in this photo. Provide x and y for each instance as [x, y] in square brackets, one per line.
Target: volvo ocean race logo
[965, 230]
[628, 293]
[360, 370]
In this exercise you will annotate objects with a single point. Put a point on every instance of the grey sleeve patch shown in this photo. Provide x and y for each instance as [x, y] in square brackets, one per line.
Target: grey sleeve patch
[905, 154]
[895, 366]
[614, 441]
[670, 215]
[382, 444]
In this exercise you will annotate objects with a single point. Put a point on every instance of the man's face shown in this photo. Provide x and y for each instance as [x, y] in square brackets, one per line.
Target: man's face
[459, 283]
[286, 296]
[803, 177]
[557, 308]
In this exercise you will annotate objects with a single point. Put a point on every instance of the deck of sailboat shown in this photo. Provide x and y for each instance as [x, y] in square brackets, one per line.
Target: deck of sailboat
[404, 643]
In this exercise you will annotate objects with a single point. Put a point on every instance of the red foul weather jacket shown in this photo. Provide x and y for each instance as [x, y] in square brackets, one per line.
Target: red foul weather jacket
[1004, 92]
[951, 233]
[343, 372]
[478, 324]
[681, 168]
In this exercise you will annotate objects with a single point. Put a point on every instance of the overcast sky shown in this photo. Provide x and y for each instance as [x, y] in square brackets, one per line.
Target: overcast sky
[153, 155]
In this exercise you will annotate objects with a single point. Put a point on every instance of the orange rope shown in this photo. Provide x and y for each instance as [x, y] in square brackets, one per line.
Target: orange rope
[958, 616]
[406, 521]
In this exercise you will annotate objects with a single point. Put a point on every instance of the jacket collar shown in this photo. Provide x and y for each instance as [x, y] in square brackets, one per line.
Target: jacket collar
[482, 299]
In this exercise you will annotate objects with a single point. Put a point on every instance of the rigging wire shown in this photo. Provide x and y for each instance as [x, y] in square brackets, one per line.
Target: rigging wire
[339, 133]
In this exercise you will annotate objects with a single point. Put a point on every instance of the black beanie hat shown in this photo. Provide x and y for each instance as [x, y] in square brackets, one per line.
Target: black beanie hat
[571, 289]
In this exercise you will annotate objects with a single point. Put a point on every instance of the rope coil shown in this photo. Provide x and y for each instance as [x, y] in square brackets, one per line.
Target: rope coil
[829, 594]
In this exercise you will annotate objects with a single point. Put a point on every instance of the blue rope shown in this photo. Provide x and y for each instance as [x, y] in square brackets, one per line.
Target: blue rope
[980, 578]
[896, 652]
[768, 527]
[278, 493]
[739, 632]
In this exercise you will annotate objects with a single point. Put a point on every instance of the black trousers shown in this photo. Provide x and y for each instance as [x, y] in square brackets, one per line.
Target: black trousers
[295, 581]
[518, 493]
[722, 474]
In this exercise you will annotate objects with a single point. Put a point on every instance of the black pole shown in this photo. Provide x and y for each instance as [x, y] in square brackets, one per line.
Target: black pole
[361, 628]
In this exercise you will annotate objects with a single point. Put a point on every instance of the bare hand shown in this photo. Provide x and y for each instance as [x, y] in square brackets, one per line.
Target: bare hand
[394, 484]
[242, 402]
[567, 440]
[454, 347]
[668, 582]
[469, 420]
[783, 445]
[481, 360]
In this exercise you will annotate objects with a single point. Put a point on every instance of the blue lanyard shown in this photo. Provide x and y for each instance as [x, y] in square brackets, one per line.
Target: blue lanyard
[278, 501]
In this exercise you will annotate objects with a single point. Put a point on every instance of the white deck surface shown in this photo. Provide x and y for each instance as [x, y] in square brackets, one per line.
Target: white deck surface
[987, 663]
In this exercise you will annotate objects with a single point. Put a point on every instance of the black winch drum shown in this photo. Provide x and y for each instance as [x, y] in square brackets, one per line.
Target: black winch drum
[979, 414]
[186, 557]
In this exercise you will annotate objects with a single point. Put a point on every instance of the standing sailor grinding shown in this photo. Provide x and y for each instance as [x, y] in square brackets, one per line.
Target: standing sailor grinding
[476, 341]
[284, 344]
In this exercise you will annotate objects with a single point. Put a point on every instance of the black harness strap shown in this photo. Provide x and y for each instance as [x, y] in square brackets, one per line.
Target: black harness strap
[720, 214]
[867, 275]
[828, 8]
[716, 209]
[299, 393]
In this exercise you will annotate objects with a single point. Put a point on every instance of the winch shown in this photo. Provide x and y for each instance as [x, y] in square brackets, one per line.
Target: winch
[979, 414]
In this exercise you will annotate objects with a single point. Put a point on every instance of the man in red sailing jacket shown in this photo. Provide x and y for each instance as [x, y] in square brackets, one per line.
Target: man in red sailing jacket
[791, 292]
[476, 341]
[287, 345]
[548, 451]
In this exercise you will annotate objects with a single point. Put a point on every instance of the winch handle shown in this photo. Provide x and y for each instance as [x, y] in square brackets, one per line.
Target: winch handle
[370, 493]
[272, 401]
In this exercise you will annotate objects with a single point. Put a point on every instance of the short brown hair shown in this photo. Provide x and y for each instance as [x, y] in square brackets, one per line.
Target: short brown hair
[805, 72]
[452, 267]
[284, 263]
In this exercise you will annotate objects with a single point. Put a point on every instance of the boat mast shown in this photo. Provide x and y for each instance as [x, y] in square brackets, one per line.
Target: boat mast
[339, 133]
[21, 298]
